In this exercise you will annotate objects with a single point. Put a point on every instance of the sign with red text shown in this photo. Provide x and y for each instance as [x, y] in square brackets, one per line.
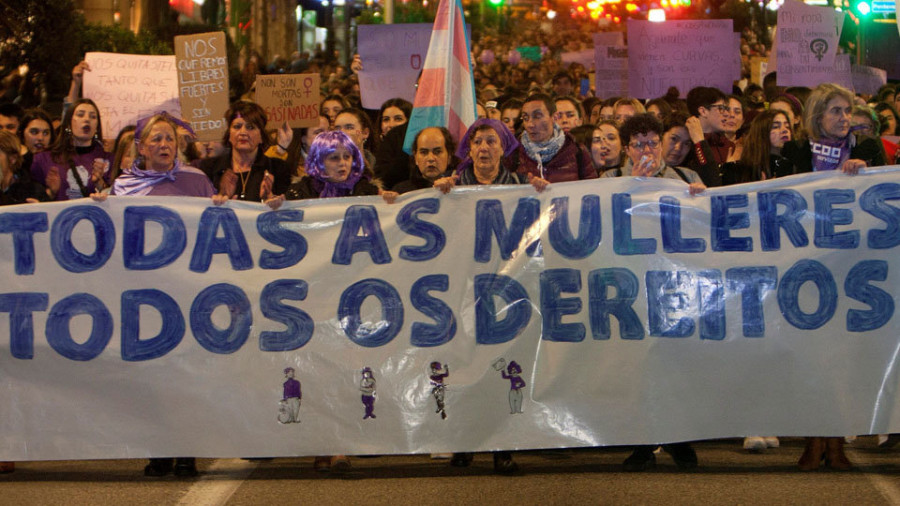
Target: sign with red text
[128, 87]
[202, 64]
[289, 98]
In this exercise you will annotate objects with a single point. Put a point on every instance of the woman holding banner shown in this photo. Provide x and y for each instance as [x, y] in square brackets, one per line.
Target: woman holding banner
[158, 171]
[483, 150]
[77, 165]
[334, 168]
[243, 172]
[830, 146]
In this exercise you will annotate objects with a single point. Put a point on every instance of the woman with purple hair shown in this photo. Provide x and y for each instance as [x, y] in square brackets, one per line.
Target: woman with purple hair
[334, 168]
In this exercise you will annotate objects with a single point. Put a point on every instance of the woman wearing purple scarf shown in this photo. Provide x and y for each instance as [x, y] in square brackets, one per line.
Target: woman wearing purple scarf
[157, 171]
[334, 168]
[484, 148]
[829, 144]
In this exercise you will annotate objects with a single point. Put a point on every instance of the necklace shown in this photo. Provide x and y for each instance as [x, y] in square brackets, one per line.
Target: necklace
[245, 175]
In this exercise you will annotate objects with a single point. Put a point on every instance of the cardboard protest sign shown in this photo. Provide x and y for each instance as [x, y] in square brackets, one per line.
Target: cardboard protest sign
[807, 42]
[291, 98]
[392, 57]
[684, 54]
[611, 64]
[127, 87]
[758, 66]
[202, 65]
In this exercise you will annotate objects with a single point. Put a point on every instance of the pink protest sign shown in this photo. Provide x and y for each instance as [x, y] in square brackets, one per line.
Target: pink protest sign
[807, 40]
[684, 54]
[392, 57]
[867, 79]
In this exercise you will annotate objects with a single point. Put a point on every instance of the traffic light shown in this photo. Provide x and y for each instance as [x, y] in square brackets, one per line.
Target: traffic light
[495, 3]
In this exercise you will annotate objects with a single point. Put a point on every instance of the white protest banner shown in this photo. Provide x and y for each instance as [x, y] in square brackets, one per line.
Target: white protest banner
[635, 313]
[127, 87]
[202, 63]
[867, 80]
[584, 57]
[611, 64]
[291, 98]
[392, 57]
[807, 42]
[685, 54]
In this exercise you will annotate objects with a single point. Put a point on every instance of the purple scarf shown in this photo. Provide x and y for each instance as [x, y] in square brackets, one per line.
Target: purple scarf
[139, 182]
[828, 154]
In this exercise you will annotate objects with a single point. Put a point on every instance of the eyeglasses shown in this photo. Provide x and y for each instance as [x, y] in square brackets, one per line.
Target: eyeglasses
[721, 108]
[639, 146]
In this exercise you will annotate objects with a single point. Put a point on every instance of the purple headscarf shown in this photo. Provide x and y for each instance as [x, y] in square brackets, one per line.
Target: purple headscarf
[322, 146]
[510, 143]
[142, 123]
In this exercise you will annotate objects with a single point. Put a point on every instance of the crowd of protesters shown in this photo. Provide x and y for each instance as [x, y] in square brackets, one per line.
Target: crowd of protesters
[533, 128]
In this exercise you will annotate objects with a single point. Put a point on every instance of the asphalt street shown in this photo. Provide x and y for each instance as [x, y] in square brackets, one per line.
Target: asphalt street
[727, 475]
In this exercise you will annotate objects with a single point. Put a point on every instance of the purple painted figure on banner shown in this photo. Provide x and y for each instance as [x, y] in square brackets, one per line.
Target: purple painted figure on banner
[367, 387]
[516, 384]
[439, 372]
[290, 402]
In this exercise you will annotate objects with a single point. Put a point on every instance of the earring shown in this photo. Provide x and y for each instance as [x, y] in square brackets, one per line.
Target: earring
[68, 131]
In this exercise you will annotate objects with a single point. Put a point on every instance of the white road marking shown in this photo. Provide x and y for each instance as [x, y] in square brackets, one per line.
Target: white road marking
[887, 487]
[218, 483]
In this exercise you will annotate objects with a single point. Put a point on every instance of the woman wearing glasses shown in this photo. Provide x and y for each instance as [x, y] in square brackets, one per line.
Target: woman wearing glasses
[642, 137]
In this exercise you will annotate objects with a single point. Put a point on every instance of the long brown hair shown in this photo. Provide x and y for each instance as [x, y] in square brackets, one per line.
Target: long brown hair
[758, 146]
[64, 147]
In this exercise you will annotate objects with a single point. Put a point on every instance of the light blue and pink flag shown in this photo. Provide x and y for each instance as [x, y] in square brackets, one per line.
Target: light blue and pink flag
[446, 92]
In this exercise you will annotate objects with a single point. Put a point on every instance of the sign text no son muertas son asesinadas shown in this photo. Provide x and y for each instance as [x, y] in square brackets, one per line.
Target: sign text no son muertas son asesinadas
[289, 98]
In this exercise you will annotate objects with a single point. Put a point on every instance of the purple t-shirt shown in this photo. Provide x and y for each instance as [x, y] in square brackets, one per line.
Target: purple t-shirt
[68, 185]
[291, 388]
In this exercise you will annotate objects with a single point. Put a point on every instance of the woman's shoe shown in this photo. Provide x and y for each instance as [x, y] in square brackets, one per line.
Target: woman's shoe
[340, 463]
[503, 463]
[158, 467]
[641, 459]
[835, 457]
[186, 467]
[322, 464]
[754, 444]
[461, 459]
[812, 454]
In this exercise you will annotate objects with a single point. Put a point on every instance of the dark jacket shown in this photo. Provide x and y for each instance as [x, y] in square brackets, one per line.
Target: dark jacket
[217, 166]
[309, 188]
[867, 149]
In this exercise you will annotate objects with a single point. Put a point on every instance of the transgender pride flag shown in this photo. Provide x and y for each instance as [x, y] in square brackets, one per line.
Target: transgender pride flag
[446, 93]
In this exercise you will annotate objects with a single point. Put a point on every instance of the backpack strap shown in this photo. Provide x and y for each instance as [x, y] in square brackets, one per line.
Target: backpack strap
[681, 174]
